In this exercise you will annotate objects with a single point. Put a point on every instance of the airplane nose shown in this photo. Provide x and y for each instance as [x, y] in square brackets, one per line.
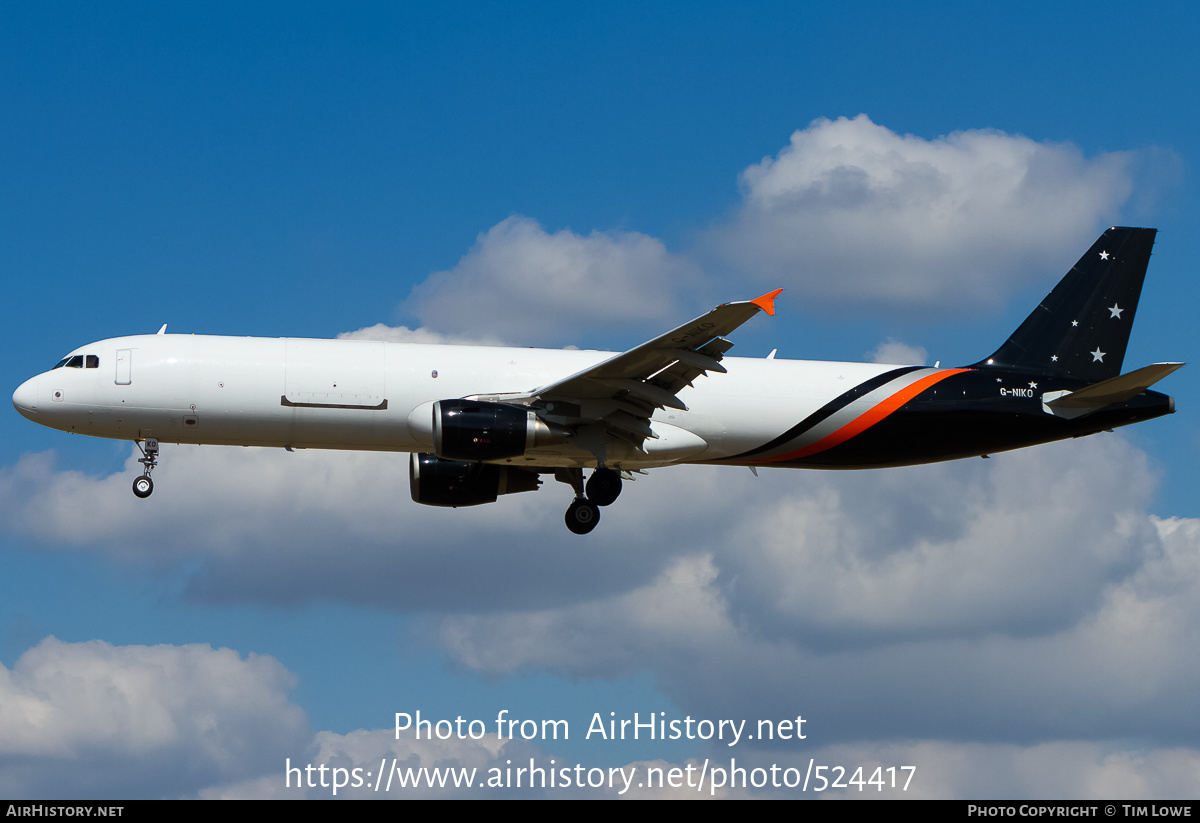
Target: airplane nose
[25, 398]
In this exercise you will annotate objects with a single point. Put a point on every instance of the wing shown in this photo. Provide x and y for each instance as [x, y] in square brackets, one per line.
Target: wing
[623, 392]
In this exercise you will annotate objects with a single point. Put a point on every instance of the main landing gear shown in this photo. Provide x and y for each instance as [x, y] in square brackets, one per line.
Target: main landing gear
[603, 487]
[143, 486]
[582, 516]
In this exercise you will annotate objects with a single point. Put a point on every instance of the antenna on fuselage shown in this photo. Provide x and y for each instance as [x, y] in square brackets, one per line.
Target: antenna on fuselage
[163, 330]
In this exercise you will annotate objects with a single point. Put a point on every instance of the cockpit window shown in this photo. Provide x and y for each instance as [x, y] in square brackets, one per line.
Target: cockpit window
[76, 362]
[93, 362]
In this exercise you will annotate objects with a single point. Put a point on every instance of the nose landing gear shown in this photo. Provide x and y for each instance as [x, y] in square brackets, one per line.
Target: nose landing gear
[143, 486]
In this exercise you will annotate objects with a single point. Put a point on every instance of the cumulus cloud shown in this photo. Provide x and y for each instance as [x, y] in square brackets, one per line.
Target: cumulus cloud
[1009, 602]
[852, 213]
[1034, 585]
[423, 336]
[959, 549]
[897, 353]
[522, 284]
[92, 719]
[1059, 769]
[605, 638]
[268, 526]
[139, 720]
[945, 550]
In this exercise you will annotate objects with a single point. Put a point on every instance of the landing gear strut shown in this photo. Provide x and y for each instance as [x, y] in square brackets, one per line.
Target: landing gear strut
[143, 486]
[602, 489]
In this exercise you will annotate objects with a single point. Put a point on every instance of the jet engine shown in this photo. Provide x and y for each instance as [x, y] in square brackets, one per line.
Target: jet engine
[437, 482]
[478, 430]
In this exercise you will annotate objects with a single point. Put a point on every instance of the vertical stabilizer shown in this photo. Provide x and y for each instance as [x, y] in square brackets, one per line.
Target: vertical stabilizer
[1082, 327]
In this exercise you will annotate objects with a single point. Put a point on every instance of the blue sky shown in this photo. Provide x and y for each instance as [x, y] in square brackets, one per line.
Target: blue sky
[913, 176]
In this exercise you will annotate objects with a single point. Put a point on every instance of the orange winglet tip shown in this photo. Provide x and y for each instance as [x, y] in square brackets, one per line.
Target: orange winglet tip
[767, 302]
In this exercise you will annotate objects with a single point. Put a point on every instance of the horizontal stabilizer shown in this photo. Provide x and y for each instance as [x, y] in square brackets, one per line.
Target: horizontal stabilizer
[1105, 393]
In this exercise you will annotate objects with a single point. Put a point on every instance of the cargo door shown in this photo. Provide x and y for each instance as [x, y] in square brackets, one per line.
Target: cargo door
[335, 374]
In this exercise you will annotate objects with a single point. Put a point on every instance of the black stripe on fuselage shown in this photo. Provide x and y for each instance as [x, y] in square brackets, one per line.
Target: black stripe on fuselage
[968, 415]
[830, 408]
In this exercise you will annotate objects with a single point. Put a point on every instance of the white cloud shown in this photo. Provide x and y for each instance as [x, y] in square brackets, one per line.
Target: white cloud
[139, 720]
[1034, 584]
[956, 550]
[1021, 544]
[897, 353]
[92, 719]
[424, 336]
[268, 526]
[851, 213]
[1020, 598]
[945, 549]
[602, 638]
[524, 285]
[724, 643]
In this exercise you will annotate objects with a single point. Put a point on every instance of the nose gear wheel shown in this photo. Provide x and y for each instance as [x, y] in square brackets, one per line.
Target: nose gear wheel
[143, 486]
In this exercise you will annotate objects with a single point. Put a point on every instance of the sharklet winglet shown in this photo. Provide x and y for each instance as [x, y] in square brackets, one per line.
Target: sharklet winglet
[767, 302]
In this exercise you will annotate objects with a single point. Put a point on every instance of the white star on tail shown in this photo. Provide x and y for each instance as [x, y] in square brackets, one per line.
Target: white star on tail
[1115, 311]
[1097, 355]
[1103, 255]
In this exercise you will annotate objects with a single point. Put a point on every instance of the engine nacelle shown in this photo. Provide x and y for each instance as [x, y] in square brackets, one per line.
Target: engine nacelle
[437, 482]
[477, 430]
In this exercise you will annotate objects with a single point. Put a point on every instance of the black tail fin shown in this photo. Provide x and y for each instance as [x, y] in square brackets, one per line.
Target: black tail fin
[1082, 327]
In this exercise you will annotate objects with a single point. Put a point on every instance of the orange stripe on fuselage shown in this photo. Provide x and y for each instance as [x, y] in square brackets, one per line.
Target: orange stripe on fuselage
[868, 418]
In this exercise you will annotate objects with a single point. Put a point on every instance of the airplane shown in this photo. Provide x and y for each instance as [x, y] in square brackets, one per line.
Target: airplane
[483, 421]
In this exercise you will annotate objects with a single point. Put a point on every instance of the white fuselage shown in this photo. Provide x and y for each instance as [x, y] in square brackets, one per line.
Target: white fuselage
[363, 395]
